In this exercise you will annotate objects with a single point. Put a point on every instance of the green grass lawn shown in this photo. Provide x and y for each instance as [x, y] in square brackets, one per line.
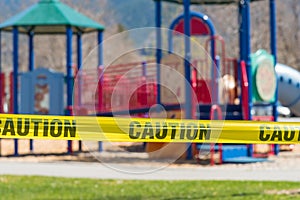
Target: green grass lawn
[34, 187]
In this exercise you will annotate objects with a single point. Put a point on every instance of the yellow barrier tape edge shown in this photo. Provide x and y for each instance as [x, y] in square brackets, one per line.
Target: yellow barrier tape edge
[16, 126]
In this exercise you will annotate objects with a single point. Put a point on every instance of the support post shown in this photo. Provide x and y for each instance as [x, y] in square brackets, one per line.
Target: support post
[248, 62]
[248, 51]
[245, 45]
[216, 80]
[79, 50]
[79, 88]
[245, 51]
[273, 45]
[158, 10]
[187, 68]
[15, 79]
[0, 51]
[100, 63]
[170, 41]
[31, 51]
[100, 48]
[69, 34]
[214, 66]
[273, 29]
[1, 82]
[31, 67]
[187, 51]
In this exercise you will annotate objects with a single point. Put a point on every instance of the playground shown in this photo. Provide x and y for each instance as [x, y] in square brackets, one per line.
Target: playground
[181, 116]
[177, 84]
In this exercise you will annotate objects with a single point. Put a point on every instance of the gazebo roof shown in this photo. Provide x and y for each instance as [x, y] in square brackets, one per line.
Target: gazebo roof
[205, 1]
[50, 17]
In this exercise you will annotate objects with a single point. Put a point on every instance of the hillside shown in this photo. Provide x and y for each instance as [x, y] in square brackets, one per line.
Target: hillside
[120, 15]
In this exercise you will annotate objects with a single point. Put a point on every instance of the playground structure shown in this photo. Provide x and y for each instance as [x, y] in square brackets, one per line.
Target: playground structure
[200, 74]
[35, 21]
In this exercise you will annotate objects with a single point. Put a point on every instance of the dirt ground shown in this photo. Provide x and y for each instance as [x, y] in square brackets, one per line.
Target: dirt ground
[133, 153]
[49, 150]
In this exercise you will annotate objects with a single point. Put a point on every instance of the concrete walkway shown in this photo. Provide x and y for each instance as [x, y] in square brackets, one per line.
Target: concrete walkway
[100, 171]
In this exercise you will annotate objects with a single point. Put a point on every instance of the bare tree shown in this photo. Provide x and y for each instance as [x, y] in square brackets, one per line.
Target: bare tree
[288, 20]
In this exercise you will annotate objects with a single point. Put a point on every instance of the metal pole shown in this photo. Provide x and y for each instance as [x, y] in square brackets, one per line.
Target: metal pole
[144, 69]
[273, 44]
[214, 66]
[273, 30]
[187, 69]
[245, 51]
[100, 48]
[216, 90]
[241, 43]
[31, 51]
[158, 10]
[100, 70]
[69, 34]
[241, 31]
[170, 41]
[15, 78]
[187, 50]
[1, 81]
[100, 63]
[79, 63]
[245, 44]
[1, 53]
[79, 50]
[248, 62]
[248, 52]
[31, 67]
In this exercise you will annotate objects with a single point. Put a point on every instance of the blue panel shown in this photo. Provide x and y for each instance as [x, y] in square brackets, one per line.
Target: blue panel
[56, 82]
[233, 151]
[42, 76]
[27, 94]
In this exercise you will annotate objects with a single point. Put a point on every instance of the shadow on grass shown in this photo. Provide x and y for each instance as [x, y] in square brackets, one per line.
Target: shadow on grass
[230, 196]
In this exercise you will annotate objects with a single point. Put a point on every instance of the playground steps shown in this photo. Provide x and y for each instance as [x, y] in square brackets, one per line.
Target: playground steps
[229, 112]
[232, 153]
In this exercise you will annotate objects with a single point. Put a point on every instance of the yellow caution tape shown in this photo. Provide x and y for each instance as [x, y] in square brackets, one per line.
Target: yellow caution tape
[146, 130]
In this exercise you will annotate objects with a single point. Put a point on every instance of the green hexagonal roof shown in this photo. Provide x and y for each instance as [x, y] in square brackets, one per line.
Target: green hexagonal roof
[50, 17]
